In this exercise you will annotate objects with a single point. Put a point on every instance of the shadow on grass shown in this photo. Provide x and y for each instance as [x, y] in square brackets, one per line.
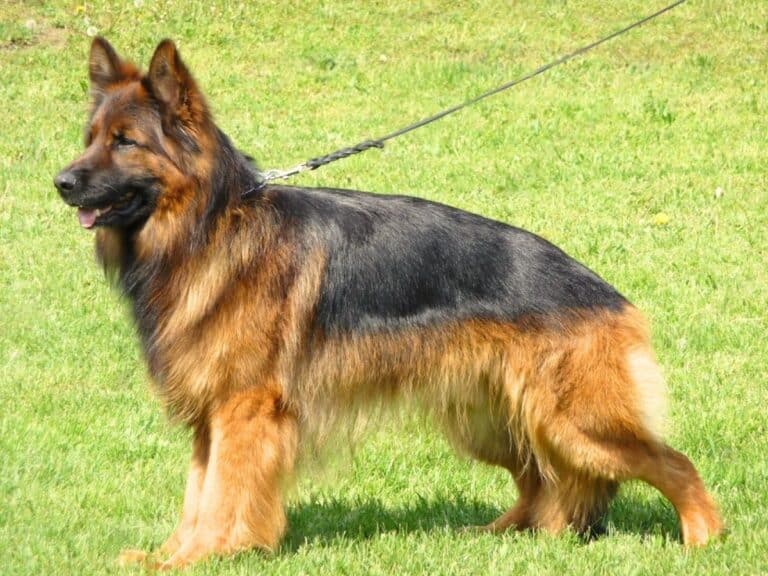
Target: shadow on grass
[644, 517]
[323, 522]
[326, 521]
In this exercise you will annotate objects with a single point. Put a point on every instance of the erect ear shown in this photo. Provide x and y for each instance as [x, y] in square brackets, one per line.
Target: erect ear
[172, 85]
[105, 68]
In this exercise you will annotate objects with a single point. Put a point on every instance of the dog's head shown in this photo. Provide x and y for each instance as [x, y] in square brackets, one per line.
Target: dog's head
[146, 140]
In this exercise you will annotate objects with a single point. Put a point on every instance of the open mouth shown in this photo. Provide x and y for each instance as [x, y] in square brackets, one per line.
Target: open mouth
[90, 217]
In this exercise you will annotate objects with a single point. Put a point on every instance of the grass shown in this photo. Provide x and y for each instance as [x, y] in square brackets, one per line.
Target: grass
[616, 157]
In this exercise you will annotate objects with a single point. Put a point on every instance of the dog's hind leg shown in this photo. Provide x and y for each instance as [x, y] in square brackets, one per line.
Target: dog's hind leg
[252, 449]
[490, 441]
[673, 474]
[481, 429]
[595, 466]
[571, 501]
[519, 516]
[599, 424]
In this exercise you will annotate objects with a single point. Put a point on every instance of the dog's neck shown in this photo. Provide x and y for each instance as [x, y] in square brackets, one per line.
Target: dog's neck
[170, 268]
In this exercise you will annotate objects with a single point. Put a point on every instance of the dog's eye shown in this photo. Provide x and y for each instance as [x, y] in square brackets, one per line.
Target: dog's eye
[121, 141]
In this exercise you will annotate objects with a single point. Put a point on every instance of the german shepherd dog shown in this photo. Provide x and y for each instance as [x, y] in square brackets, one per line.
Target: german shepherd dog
[270, 313]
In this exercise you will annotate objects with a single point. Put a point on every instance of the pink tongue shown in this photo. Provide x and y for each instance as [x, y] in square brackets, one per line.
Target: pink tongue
[87, 217]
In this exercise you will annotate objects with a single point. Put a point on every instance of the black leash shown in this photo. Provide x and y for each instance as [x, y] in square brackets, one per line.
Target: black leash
[315, 163]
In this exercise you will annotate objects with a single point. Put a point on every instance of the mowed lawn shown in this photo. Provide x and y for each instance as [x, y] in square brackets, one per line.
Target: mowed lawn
[646, 159]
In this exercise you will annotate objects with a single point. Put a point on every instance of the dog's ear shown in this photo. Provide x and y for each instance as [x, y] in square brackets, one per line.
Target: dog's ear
[171, 83]
[106, 68]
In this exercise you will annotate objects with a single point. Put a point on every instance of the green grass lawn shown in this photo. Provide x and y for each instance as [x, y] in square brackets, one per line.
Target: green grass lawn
[646, 160]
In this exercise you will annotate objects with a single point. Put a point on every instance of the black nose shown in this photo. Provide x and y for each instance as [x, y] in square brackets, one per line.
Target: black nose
[65, 181]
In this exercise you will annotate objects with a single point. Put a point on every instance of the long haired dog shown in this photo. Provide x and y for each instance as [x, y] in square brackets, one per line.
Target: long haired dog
[268, 312]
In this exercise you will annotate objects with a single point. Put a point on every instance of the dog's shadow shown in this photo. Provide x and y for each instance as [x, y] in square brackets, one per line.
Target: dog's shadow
[325, 521]
[322, 522]
[642, 515]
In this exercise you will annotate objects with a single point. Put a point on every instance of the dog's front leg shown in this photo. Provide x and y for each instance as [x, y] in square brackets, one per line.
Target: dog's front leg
[198, 465]
[192, 494]
[252, 449]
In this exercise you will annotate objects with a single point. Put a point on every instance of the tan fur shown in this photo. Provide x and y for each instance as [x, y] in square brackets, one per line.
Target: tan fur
[570, 403]
[650, 391]
[251, 449]
[204, 358]
[557, 408]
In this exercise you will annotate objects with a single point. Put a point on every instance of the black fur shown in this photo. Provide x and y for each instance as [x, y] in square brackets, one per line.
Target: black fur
[397, 262]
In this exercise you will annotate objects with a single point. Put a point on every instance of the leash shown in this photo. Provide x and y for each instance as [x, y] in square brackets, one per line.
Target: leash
[314, 163]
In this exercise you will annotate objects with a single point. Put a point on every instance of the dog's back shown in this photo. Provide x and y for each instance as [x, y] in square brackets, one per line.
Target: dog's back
[396, 262]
